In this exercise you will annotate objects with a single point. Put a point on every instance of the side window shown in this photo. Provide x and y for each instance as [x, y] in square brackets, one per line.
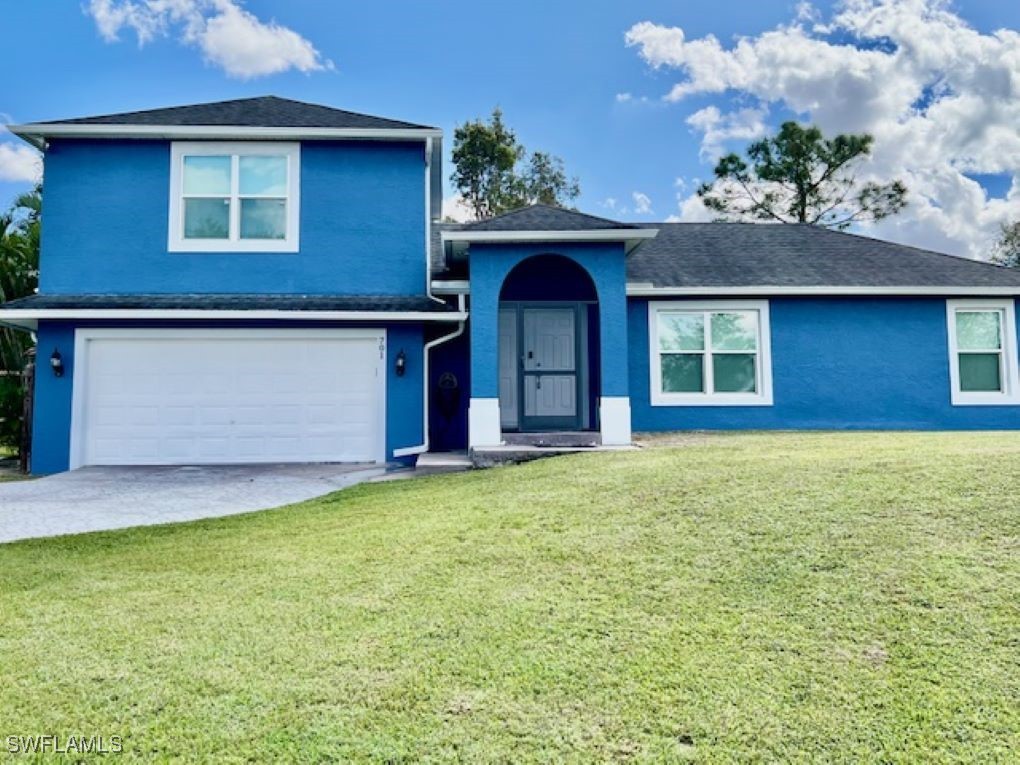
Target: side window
[234, 197]
[983, 352]
[710, 354]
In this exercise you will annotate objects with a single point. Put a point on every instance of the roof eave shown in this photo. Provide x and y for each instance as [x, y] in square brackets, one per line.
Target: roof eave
[28, 318]
[631, 238]
[37, 133]
[644, 289]
[584, 235]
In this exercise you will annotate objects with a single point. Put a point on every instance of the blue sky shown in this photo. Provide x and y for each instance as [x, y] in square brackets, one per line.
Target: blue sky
[561, 71]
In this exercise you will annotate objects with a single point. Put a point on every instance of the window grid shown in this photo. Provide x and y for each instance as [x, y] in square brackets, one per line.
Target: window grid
[1004, 351]
[235, 198]
[998, 351]
[709, 352]
[237, 224]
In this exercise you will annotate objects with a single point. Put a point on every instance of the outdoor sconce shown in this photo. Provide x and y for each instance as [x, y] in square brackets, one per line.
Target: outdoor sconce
[401, 365]
[57, 364]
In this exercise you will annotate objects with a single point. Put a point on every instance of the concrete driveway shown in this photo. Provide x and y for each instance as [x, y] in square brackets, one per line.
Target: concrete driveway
[99, 498]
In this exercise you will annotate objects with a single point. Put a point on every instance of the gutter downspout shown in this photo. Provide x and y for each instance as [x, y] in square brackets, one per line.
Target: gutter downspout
[428, 223]
[408, 451]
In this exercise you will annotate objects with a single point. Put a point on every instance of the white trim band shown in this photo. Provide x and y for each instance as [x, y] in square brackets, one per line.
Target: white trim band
[20, 316]
[646, 290]
[614, 420]
[483, 423]
[598, 235]
[35, 132]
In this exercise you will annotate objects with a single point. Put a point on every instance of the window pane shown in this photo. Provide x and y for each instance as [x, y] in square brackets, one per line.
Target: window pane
[265, 176]
[683, 373]
[206, 218]
[207, 175]
[735, 331]
[980, 372]
[263, 219]
[681, 332]
[978, 330]
[734, 373]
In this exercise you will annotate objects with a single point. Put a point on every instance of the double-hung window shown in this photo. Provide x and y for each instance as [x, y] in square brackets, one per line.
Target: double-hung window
[710, 354]
[983, 352]
[234, 197]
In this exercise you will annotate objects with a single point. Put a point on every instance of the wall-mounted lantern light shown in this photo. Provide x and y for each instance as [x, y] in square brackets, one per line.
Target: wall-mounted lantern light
[401, 364]
[57, 364]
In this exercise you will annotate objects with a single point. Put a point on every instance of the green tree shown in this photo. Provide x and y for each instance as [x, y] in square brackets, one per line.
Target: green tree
[19, 275]
[1007, 248]
[19, 268]
[800, 176]
[494, 173]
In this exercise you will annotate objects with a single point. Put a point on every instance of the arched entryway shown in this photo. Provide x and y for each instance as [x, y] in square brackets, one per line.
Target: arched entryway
[548, 347]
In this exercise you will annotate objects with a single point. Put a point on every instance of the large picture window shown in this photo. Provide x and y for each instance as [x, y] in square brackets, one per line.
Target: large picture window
[982, 344]
[710, 354]
[234, 197]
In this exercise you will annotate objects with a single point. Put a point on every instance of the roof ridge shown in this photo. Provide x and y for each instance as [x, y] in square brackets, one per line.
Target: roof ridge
[262, 108]
[553, 208]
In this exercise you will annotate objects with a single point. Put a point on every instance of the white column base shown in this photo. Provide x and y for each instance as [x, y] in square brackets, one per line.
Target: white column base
[483, 423]
[614, 415]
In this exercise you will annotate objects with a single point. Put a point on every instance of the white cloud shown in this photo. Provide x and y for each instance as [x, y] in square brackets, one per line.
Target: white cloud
[622, 98]
[642, 203]
[19, 163]
[455, 209]
[718, 128]
[228, 36]
[941, 99]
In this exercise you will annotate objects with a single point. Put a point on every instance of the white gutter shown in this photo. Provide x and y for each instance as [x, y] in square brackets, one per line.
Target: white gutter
[423, 447]
[27, 317]
[36, 133]
[598, 235]
[451, 287]
[647, 290]
[428, 221]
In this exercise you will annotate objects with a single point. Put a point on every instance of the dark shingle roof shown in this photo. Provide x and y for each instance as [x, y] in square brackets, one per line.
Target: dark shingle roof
[263, 111]
[545, 218]
[767, 255]
[222, 302]
[753, 255]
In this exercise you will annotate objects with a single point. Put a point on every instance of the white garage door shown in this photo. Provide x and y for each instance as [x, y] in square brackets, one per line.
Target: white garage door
[165, 397]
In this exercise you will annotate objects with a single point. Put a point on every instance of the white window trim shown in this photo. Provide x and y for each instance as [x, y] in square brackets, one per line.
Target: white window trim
[1011, 374]
[180, 149]
[764, 395]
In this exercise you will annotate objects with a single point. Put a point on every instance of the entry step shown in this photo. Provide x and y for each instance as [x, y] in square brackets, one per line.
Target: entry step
[562, 439]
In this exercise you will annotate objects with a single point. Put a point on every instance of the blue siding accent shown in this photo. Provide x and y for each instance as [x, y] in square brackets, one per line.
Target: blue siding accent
[51, 417]
[490, 264]
[51, 431]
[448, 408]
[837, 363]
[107, 208]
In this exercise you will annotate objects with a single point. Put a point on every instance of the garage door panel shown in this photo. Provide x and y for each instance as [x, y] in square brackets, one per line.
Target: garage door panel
[235, 397]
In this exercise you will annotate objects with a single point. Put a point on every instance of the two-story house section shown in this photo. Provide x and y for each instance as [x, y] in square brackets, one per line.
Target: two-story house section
[265, 280]
[244, 281]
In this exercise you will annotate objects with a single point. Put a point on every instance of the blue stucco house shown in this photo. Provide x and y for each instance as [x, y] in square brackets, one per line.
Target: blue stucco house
[265, 280]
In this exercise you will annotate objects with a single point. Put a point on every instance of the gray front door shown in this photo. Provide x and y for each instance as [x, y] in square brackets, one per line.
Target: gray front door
[549, 368]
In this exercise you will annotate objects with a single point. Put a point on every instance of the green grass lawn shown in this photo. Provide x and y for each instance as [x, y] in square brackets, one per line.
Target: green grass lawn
[791, 597]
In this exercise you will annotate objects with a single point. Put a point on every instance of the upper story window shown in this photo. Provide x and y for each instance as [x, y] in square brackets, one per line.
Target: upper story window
[234, 197]
[710, 354]
[983, 352]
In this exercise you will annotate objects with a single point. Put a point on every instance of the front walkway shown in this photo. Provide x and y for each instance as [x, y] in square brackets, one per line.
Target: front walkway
[101, 498]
